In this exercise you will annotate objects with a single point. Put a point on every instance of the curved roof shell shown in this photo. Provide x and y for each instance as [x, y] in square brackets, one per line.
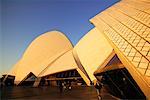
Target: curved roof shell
[93, 51]
[41, 52]
[129, 35]
[63, 63]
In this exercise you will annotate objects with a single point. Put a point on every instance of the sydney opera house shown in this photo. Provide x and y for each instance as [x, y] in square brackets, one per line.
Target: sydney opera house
[116, 51]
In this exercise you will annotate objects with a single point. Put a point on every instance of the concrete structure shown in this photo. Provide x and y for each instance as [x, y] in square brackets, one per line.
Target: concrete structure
[43, 51]
[126, 26]
[120, 39]
[93, 47]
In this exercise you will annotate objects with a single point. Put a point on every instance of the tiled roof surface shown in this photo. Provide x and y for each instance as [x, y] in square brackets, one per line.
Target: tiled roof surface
[127, 26]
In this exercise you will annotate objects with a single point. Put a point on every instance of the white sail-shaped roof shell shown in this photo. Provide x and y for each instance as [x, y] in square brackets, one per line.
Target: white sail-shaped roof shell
[63, 63]
[93, 51]
[41, 52]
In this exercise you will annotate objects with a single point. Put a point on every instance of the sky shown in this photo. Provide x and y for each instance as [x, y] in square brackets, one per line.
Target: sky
[21, 21]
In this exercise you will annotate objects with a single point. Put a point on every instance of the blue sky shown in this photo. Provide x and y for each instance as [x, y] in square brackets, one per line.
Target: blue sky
[24, 20]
